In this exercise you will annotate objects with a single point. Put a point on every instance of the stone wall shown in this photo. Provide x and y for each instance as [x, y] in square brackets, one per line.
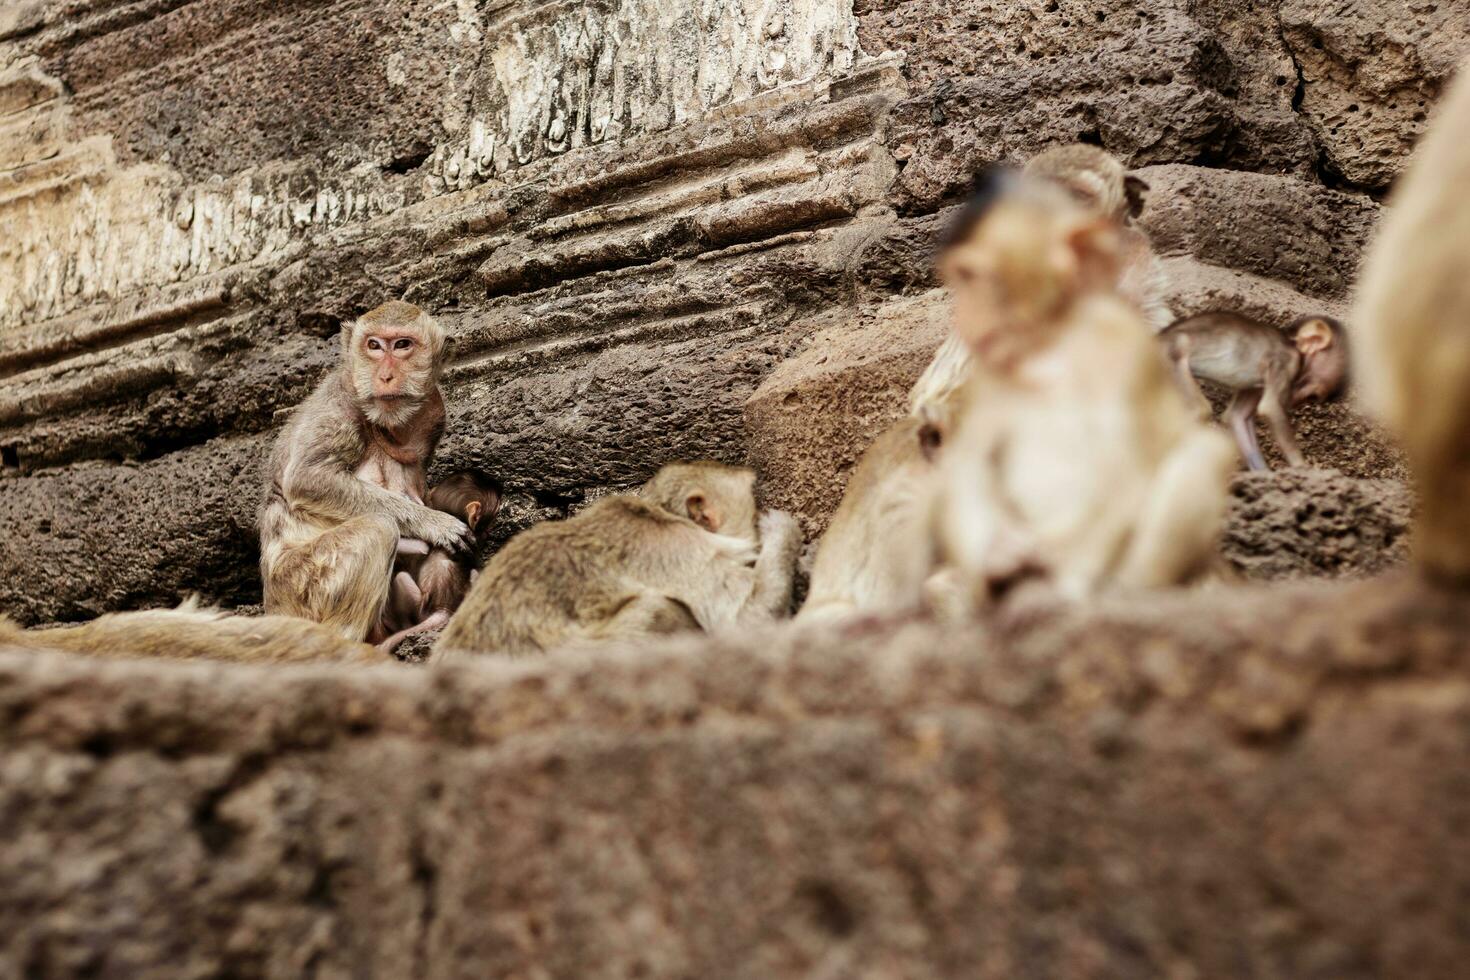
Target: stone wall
[633, 215]
[1251, 784]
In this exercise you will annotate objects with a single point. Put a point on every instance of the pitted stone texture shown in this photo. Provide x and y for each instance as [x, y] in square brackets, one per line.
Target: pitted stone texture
[1370, 74]
[97, 537]
[1064, 794]
[1310, 522]
[1281, 228]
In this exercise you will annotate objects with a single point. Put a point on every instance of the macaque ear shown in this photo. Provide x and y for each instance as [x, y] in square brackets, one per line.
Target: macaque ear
[1135, 190]
[702, 512]
[1313, 337]
[1094, 248]
[472, 514]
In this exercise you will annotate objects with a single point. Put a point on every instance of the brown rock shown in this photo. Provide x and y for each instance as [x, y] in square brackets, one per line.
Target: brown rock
[1090, 793]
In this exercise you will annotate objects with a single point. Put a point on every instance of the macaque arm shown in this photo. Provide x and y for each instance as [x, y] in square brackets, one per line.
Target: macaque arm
[1241, 414]
[1182, 515]
[319, 478]
[770, 597]
[1273, 408]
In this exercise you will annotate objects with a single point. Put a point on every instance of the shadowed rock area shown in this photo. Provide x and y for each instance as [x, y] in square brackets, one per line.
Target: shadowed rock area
[1248, 783]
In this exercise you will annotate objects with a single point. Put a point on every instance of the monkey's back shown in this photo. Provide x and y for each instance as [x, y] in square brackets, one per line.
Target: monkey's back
[881, 510]
[550, 581]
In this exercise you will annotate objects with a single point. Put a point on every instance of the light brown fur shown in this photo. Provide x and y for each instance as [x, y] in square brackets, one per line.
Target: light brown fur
[680, 554]
[347, 476]
[1412, 332]
[1074, 456]
[1099, 182]
[192, 633]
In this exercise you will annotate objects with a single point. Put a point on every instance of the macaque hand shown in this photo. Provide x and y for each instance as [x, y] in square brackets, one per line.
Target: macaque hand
[448, 532]
[412, 546]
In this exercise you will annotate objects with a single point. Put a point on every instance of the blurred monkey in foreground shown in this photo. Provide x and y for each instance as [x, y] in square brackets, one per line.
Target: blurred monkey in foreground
[865, 559]
[679, 554]
[1099, 183]
[347, 476]
[191, 633]
[1267, 369]
[1412, 331]
[1073, 456]
[430, 583]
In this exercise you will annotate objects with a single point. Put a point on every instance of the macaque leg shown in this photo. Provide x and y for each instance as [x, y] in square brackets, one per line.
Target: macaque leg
[404, 599]
[1191, 388]
[435, 621]
[412, 546]
[1175, 537]
[339, 578]
[648, 615]
[1275, 413]
[775, 568]
[1242, 417]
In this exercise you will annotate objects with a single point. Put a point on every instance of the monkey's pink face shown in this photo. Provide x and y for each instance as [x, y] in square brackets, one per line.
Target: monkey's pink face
[394, 356]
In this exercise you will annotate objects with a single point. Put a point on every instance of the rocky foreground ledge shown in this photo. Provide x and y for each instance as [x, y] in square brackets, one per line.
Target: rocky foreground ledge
[1253, 783]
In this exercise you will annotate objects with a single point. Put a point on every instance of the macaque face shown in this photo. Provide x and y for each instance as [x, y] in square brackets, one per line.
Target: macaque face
[392, 353]
[1021, 266]
[1322, 377]
[1324, 363]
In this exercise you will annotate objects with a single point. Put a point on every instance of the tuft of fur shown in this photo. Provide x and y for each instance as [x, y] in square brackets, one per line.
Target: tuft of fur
[191, 632]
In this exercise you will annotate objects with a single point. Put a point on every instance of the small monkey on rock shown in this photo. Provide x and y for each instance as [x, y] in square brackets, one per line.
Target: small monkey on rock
[1268, 370]
[430, 583]
[347, 476]
[1074, 457]
[192, 633]
[679, 554]
[1412, 340]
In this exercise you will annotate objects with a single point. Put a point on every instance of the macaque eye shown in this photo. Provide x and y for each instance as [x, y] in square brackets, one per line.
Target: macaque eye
[402, 343]
[374, 344]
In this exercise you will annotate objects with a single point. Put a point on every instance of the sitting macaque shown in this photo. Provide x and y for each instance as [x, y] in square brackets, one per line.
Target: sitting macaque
[1098, 182]
[863, 560]
[191, 633]
[679, 554]
[1074, 458]
[1412, 332]
[1268, 370]
[430, 583]
[346, 477]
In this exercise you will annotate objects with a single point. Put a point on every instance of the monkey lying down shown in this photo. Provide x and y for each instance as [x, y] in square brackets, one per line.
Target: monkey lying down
[682, 553]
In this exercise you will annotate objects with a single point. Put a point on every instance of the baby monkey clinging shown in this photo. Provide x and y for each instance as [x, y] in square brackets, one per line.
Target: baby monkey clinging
[1268, 370]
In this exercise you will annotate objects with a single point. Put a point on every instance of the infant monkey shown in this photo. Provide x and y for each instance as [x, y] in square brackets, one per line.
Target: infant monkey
[1267, 369]
[429, 584]
[679, 554]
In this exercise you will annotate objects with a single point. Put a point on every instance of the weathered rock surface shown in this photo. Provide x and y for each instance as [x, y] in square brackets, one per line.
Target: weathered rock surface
[1249, 783]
